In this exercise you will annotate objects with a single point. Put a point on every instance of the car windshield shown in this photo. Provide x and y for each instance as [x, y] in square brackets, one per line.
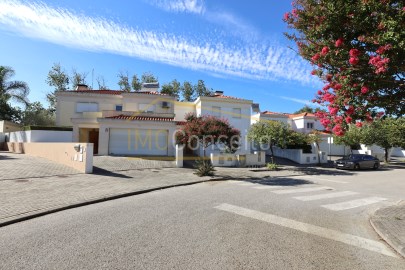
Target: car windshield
[353, 156]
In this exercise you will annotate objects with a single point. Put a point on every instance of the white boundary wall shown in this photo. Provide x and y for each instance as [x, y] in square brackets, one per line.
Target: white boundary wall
[40, 136]
[298, 156]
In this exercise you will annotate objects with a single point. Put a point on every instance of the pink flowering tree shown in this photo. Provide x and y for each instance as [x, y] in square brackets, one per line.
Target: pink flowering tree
[208, 130]
[357, 48]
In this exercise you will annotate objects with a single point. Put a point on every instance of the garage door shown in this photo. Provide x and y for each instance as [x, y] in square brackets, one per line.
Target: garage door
[150, 142]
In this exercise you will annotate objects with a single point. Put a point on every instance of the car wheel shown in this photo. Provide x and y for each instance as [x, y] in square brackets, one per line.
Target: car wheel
[375, 167]
[356, 166]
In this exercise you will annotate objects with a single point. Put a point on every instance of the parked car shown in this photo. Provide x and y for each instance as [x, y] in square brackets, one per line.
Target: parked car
[357, 161]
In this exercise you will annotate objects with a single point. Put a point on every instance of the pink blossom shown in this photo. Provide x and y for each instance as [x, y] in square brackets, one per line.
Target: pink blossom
[359, 124]
[354, 52]
[319, 92]
[348, 119]
[313, 72]
[316, 57]
[350, 110]
[338, 130]
[353, 60]
[329, 77]
[286, 16]
[333, 110]
[325, 50]
[295, 13]
[339, 42]
[338, 86]
[364, 90]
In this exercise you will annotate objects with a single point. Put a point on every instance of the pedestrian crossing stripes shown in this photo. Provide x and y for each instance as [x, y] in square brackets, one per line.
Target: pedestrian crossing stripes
[353, 204]
[340, 206]
[326, 196]
[301, 190]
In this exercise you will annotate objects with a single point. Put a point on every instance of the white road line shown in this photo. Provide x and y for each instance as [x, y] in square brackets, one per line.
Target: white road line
[349, 239]
[326, 196]
[353, 203]
[268, 187]
[246, 184]
[300, 190]
[323, 179]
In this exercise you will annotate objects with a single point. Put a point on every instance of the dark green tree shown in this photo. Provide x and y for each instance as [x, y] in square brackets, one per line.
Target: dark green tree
[59, 80]
[187, 91]
[12, 90]
[136, 83]
[123, 82]
[148, 77]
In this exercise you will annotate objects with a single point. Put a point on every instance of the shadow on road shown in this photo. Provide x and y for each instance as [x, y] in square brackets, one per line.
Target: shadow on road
[103, 172]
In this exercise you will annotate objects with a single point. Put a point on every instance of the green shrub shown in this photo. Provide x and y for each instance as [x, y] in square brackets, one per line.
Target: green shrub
[204, 168]
[272, 166]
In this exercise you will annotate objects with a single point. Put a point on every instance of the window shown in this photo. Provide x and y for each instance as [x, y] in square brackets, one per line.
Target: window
[216, 111]
[86, 107]
[236, 113]
[310, 125]
[118, 108]
[146, 107]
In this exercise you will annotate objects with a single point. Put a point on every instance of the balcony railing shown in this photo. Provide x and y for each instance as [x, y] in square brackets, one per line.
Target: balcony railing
[136, 113]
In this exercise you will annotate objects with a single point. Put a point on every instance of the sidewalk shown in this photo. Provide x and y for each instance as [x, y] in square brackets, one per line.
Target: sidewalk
[389, 223]
[21, 199]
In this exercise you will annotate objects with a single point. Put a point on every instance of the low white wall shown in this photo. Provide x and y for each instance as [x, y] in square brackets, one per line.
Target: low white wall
[258, 158]
[223, 160]
[40, 136]
[299, 157]
[398, 152]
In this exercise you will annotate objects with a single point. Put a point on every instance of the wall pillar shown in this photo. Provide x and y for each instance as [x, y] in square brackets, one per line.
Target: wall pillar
[179, 155]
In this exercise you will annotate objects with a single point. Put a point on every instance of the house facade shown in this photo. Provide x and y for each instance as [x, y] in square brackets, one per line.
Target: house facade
[141, 123]
[301, 122]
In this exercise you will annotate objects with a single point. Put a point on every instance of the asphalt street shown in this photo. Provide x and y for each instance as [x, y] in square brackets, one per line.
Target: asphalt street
[309, 222]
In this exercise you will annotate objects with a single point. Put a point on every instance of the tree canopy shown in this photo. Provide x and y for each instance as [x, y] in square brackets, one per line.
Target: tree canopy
[207, 131]
[12, 90]
[358, 49]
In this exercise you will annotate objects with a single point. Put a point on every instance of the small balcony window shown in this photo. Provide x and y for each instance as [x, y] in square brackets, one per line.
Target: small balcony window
[310, 125]
[118, 108]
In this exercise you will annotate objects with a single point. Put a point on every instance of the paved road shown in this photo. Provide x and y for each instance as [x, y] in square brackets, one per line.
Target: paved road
[276, 224]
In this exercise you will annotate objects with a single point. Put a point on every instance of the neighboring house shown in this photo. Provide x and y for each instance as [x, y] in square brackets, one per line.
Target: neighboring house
[302, 122]
[7, 126]
[139, 123]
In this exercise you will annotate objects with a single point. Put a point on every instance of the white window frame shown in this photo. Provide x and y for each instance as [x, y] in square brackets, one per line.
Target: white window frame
[216, 111]
[86, 107]
[237, 113]
[146, 107]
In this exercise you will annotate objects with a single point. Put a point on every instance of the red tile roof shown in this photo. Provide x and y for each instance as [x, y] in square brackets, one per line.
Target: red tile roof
[223, 96]
[115, 92]
[141, 118]
[275, 113]
[301, 114]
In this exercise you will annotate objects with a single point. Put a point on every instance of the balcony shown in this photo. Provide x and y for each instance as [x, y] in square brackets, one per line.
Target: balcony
[136, 113]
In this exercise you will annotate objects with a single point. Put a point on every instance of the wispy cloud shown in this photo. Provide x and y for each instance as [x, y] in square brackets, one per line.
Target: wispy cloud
[301, 101]
[189, 6]
[60, 26]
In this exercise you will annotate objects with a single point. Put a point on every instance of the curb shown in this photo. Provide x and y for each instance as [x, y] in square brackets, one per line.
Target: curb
[393, 243]
[110, 198]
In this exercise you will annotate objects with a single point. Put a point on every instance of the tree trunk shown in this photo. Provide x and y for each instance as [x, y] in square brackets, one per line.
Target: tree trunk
[386, 154]
[272, 153]
[319, 156]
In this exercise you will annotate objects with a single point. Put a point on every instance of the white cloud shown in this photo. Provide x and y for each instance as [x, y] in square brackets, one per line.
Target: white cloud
[301, 101]
[63, 27]
[189, 6]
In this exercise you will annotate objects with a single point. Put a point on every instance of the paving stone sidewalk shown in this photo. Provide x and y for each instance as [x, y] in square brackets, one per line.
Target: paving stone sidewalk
[389, 223]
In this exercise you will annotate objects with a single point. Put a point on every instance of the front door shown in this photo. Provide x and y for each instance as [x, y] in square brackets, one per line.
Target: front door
[93, 138]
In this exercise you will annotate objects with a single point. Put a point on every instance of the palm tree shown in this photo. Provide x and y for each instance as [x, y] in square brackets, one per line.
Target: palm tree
[15, 90]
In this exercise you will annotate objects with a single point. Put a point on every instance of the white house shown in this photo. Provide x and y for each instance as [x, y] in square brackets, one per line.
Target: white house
[140, 123]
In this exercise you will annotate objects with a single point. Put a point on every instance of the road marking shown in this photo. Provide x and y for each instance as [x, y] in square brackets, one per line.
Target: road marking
[349, 239]
[300, 190]
[268, 187]
[353, 203]
[323, 179]
[246, 184]
[326, 196]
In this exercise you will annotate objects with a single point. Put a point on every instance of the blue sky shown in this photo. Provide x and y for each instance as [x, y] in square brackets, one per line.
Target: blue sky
[234, 46]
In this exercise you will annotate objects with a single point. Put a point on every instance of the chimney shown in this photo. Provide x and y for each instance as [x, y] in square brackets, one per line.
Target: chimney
[219, 93]
[82, 87]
